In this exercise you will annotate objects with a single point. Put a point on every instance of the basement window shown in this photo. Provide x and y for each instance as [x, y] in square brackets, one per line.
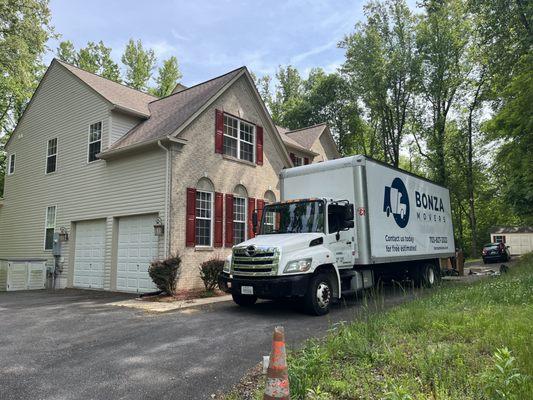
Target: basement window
[95, 140]
[49, 229]
[51, 156]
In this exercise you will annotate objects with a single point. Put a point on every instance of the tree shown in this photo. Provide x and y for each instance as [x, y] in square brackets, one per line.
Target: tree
[108, 68]
[288, 96]
[442, 37]
[24, 30]
[168, 76]
[66, 52]
[139, 64]
[382, 63]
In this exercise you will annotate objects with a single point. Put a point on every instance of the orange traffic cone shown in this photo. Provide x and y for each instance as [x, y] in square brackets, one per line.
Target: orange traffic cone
[277, 381]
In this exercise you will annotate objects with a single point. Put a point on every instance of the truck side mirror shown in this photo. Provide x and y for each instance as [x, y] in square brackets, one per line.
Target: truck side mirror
[254, 220]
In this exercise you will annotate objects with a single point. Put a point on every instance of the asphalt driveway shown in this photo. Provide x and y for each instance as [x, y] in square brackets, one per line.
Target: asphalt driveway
[71, 344]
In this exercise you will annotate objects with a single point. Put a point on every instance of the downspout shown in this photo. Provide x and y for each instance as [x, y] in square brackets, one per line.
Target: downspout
[167, 202]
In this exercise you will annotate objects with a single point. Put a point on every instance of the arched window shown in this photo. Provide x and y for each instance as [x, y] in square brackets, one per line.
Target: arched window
[204, 212]
[269, 219]
[240, 196]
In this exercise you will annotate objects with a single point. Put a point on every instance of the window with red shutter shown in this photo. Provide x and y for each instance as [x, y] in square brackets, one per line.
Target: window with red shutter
[259, 145]
[229, 220]
[219, 131]
[219, 204]
[190, 224]
[293, 157]
[306, 160]
[251, 208]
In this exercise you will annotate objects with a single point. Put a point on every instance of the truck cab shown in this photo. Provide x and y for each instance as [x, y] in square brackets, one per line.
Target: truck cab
[301, 248]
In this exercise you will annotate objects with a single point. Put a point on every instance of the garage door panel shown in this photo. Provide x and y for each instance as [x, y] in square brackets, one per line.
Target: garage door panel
[137, 247]
[89, 253]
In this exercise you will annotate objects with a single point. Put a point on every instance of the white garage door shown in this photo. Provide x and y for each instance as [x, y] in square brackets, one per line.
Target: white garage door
[89, 254]
[137, 247]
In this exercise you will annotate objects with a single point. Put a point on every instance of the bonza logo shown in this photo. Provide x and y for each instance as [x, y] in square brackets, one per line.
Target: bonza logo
[396, 202]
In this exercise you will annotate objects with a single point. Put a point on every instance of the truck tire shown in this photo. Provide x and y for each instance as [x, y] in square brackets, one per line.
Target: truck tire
[429, 276]
[244, 300]
[319, 295]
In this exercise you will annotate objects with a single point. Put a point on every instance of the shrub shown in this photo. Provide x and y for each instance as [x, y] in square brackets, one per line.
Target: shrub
[209, 272]
[165, 272]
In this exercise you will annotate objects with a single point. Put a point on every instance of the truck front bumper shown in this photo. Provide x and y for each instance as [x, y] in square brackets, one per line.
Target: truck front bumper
[271, 287]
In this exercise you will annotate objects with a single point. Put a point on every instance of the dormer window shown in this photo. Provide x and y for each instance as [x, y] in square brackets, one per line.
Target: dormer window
[95, 141]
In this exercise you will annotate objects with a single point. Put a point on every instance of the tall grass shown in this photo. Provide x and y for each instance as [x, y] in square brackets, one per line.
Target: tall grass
[470, 341]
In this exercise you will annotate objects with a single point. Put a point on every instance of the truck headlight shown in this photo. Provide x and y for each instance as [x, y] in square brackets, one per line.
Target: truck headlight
[298, 265]
[227, 265]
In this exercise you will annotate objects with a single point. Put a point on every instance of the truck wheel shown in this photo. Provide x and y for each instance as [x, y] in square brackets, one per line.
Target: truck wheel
[244, 300]
[429, 275]
[319, 295]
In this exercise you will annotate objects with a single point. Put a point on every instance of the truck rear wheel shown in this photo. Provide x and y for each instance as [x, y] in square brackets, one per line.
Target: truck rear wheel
[429, 276]
[319, 294]
[244, 300]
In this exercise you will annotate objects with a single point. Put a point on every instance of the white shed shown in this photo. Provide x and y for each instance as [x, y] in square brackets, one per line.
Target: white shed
[518, 238]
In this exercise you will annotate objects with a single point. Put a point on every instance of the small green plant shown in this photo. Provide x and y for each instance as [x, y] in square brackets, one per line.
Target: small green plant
[164, 273]
[397, 392]
[209, 272]
[503, 376]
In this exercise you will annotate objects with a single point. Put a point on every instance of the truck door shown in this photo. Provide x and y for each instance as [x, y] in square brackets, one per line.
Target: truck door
[340, 238]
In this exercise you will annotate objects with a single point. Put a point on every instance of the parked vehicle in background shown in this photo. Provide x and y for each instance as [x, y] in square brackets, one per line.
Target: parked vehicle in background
[341, 226]
[495, 252]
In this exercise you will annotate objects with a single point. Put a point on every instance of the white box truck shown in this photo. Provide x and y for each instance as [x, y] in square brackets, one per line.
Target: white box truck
[340, 226]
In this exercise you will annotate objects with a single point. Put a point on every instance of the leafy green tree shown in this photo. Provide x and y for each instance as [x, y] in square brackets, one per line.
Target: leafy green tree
[168, 76]
[108, 68]
[382, 63]
[442, 37]
[139, 64]
[24, 30]
[67, 52]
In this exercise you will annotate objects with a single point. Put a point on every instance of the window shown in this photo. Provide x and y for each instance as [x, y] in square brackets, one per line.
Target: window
[239, 138]
[269, 218]
[499, 239]
[298, 161]
[11, 168]
[49, 227]
[239, 219]
[51, 156]
[95, 140]
[204, 218]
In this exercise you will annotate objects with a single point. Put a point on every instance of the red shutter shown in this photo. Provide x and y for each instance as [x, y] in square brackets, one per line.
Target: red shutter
[219, 204]
[293, 157]
[229, 220]
[251, 208]
[306, 160]
[259, 145]
[219, 131]
[190, 226]
[260, 206]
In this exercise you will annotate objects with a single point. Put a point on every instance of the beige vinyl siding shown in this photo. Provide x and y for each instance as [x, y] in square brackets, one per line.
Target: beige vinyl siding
[325, 147]
[120, 124]
[64, 107]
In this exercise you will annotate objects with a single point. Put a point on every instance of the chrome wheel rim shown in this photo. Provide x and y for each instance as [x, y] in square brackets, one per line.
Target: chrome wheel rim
[323, 295]
[431, 276]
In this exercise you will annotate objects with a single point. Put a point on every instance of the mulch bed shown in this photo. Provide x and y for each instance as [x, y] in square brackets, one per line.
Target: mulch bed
[183, 295]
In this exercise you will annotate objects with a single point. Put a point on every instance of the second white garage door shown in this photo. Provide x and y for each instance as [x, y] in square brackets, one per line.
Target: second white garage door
[89, 251]
[137, 247]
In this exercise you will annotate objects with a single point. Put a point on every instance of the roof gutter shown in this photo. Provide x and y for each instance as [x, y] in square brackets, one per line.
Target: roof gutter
[129, 111]
[302, 149]
[108, 154]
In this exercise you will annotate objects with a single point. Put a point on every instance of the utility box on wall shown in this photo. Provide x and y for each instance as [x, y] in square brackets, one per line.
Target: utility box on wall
[22, 274]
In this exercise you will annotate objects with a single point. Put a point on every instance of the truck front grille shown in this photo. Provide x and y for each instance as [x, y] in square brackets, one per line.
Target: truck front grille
[255, 261]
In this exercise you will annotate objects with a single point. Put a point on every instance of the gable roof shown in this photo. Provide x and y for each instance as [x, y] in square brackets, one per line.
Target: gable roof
[169, 113]
[119, 95]
[512, 229]
[307, 136]
[291, 142]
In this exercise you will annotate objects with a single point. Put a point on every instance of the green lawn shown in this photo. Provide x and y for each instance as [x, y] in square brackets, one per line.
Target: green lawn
[463, 341]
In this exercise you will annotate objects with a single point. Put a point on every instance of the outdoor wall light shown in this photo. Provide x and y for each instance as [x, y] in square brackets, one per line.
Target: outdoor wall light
[159, 228]
[63, 234]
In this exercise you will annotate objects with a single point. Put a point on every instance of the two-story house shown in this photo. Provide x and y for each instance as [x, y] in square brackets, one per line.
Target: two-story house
[127, 177]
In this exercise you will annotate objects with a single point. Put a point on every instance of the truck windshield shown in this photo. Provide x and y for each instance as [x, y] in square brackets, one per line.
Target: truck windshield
[297, 217]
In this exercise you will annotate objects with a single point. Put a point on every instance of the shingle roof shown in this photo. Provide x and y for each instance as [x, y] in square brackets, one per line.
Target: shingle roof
[512, 229]
[169, 113]
[307, 136]
[290, 142]
[116, 93]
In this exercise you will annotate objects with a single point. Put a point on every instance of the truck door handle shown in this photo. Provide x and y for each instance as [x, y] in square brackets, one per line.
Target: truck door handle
[348, 242]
